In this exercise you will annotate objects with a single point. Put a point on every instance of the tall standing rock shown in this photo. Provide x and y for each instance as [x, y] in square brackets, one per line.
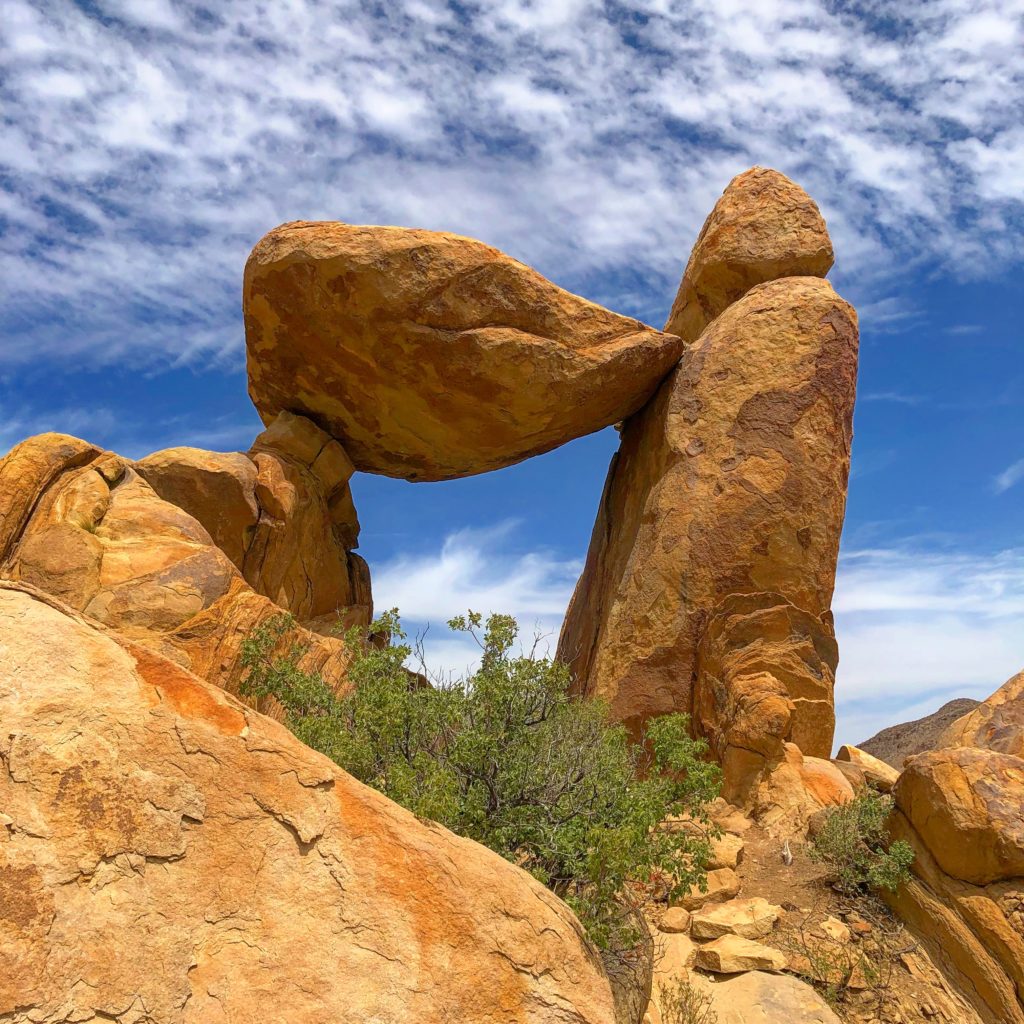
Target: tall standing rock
[732, 481]
[432, 356]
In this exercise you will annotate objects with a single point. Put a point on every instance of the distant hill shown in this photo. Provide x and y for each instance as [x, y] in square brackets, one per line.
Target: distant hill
[898, 742]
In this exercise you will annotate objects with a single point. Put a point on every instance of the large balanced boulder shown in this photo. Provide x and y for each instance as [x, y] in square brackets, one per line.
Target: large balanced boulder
[732, 481]
[169, 855]
[431, 356]
[764, 227]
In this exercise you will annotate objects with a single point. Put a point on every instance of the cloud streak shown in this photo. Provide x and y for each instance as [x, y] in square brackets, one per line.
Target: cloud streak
[149, 145]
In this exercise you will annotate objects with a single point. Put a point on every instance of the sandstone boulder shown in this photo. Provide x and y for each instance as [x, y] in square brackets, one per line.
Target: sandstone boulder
[797, 790]
[995, 724]
[675, 919]
[759, 998]
[431, 356]
[877, 773]
[732, 481]
[763, 228]
[169, 855]
[732, 954]
[966, 805]
[99, 537]
[748, 918]
[722, 884]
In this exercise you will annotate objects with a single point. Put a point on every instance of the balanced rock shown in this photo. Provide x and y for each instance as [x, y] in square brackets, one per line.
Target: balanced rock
[764, 227]
[731, 481]
[995, 724]
[732, 954]
[169, 855]
[877, 773]
[431, 356]
[748, 918]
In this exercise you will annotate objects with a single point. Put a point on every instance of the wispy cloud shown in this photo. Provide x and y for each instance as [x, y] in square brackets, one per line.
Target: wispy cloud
[896, 397]
[147, 146]
[1013, 474]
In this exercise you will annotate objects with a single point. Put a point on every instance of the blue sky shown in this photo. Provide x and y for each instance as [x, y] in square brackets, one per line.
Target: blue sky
[148, 145]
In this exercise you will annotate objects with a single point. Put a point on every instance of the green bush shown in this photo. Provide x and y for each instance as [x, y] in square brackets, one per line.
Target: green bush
[853, 841]
[682, 1003]
[509, 758]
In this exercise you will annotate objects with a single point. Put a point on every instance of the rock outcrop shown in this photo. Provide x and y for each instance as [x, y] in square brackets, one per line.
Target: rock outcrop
[169, 855]
[898, 742]
[431, 356]
[708, 583]
[960, 810]
[877, 773]
[764, 227]
[87, 527]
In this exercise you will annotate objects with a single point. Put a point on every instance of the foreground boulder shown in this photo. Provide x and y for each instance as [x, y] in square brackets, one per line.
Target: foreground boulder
[960, 810]
[432, 356]
[169, 855]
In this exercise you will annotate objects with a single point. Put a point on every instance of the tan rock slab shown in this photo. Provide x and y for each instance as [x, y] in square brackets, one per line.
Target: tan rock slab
[748, 918]
[732, 954]
[759, 998]
[675, 919]
[431, 356]
[722, 884]
[877, 773]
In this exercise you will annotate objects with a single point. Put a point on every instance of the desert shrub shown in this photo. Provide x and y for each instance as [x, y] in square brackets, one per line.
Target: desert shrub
[508, 757]
[853, 841]
[682, 1003]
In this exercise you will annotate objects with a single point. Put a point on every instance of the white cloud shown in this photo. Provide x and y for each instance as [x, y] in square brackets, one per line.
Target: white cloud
[146, 150]
[915, 628]
[1013, 474]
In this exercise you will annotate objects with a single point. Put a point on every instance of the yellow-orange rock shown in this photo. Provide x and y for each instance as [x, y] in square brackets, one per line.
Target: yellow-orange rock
[968, 807]
[795, 791]
[731, 481]
[431, 356]
[764, 227]
[877, 773]
[169, 855]
[995, 724]
[97, 536]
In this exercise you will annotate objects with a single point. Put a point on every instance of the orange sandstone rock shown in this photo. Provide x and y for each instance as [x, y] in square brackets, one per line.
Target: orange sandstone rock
[167, 853]
[995, 724]
[431, 356]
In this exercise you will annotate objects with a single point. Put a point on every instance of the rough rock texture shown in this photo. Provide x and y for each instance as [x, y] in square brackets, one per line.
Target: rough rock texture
[895, 744]
[995, 724]
[169, 855]
[432, 356]
[732, 954]
[960, 810]
[764, 227]
[797, 789]
[732, 481]
[877, 773]
[968, 807]
[759, 998]
[83, 525]
[748, 918]
[721, 884]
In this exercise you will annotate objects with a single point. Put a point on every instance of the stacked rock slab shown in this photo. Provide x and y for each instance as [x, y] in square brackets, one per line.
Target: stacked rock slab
[430, 356]
[725, 500]
[89, 528]
[960, 810]
[169, 855]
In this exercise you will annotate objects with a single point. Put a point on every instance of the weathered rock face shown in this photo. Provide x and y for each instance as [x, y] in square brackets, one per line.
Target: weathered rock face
[84, 526]
[168, 854]
[995, 724]
[877, 773]
[968, 807]
[732, 481]
[764, 227]
[960, 810]
[756, 997]
[432, 356]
